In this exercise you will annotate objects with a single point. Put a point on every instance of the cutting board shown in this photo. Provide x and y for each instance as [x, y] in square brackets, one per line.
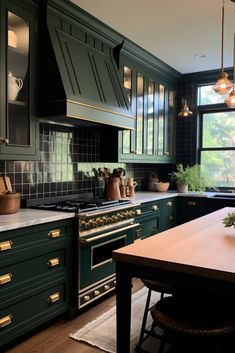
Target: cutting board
[5, 184]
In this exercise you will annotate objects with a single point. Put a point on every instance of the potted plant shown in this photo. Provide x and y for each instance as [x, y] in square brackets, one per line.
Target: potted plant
[192, 178]
[229, 220]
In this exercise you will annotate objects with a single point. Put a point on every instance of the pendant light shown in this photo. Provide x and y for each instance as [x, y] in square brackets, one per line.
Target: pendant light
[223, 85]
[230, 100]
[185, 112]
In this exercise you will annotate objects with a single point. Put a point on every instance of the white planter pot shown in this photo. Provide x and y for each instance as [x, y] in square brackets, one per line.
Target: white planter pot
[182, 187]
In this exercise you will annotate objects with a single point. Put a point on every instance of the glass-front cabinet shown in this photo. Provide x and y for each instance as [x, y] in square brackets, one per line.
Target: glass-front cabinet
[18, 123]
[153, 102]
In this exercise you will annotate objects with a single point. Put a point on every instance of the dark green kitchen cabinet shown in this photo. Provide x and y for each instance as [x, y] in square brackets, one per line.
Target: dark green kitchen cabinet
[35, 277]
[18, 48]
[152, 98]
[189, 208]
[168, 217]
[148, 217]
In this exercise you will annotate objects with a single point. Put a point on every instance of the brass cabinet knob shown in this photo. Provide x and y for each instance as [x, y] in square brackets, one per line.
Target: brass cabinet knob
[3, 140]
[155, 208]
[53, 262]
[171, 218]
[86, 298]
[55, 233]
[7, 320]
[5, 278]
[53, 297]
[169, 204]
[138, 212]
[96, 292]
[192, 203]
[6, 245]
[167, 153]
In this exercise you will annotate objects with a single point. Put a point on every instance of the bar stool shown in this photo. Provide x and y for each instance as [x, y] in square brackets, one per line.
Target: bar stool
[163, 288]
[192, 326]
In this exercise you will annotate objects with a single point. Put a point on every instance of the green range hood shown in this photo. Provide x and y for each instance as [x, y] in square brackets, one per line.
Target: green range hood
[80, 82]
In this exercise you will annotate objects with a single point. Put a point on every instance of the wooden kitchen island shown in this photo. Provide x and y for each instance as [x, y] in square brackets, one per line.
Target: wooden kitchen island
[198, 255]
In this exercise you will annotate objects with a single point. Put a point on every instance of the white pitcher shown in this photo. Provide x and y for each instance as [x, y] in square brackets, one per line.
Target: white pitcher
[14, 86]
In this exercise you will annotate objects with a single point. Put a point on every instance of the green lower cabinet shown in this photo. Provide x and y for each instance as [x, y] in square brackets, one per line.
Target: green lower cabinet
[35, 277]
[168, 214]
[189, 208]
[149, 225]
[33, 311]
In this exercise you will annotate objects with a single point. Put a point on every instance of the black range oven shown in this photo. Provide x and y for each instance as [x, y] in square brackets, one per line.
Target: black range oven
[102, 226]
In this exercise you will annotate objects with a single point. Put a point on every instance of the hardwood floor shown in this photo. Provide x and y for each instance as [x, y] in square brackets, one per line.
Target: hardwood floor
[55, 338]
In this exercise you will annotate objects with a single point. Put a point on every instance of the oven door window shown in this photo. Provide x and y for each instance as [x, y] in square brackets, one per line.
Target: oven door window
[102, 253]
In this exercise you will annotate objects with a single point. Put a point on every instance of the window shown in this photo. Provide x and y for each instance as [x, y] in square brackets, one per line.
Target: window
[217, 144]
[206, 95]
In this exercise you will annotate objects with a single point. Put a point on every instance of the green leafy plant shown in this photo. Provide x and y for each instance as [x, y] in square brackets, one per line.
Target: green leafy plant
[195, 177]
[229, 220]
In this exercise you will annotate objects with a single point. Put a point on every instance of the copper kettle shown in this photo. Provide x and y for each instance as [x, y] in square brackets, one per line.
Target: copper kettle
[112, 188]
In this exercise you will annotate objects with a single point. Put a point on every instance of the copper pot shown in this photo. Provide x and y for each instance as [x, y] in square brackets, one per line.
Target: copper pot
[9, 203]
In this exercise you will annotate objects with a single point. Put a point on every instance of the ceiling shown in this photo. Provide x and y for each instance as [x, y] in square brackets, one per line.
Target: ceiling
[186, 36]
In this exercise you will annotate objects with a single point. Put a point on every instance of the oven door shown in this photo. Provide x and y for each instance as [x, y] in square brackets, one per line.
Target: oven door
[95, 255]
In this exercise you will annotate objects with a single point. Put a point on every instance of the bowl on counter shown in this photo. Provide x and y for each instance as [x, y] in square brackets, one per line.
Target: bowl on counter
[162, 187]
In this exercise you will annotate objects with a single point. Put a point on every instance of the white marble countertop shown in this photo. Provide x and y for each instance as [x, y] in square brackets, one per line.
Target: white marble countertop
[148, 196]
[30, 217]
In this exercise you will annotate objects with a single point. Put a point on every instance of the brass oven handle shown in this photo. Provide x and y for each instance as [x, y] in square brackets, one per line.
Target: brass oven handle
[6, 245]
[5, 278]
[7, 320]
[53, 297]
[53, 262]
[90, 240]
[55, 233]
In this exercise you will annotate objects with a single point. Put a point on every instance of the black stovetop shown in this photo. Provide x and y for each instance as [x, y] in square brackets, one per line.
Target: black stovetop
[74, 203]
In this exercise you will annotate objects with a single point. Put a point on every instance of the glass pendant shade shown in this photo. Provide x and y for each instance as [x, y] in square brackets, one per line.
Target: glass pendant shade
[185, 110]
[223, 85]
[230, 100]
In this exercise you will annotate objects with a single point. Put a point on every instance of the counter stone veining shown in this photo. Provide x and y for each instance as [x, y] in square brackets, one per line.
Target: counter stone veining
[31, 217]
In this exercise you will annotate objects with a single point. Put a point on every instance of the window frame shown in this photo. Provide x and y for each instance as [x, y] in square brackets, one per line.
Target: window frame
[207, 109]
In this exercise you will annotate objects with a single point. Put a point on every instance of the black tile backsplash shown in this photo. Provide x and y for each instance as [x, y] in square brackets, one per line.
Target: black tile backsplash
[68, 157]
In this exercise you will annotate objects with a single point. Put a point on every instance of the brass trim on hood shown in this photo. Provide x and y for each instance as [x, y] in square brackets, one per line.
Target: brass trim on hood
[100, 122]
[102, 109]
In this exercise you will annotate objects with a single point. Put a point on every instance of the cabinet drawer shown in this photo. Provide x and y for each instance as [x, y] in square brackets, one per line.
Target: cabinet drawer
[29, 313]
[150, 207]
[149, 225]
[32, 270]
[14, 244]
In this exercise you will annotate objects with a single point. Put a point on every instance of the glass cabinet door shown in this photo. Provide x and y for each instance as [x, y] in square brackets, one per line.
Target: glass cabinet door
[18, 80]
[150, 118]
[139, 114]
[161, 120]
[169, 140]
[127, 84]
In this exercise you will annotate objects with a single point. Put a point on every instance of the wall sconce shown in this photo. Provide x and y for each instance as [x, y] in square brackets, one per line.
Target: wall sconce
[185, 112]
[223, 85]
[230, 100]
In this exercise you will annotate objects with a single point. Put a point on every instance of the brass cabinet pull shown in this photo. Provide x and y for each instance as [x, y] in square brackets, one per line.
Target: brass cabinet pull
[155, 208]
[86, 298]
[106, 287]
[55, 233]
[138, 212]
[6, 245]
[96, 292]
[54, 297]
[53, 262]
[169, 204]
[3, 140]
[192, 203]
[5, 278]
[7, 320]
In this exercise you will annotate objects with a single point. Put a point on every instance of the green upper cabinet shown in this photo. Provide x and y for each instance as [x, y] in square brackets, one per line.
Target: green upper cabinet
[18, 130]
[153, 101]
